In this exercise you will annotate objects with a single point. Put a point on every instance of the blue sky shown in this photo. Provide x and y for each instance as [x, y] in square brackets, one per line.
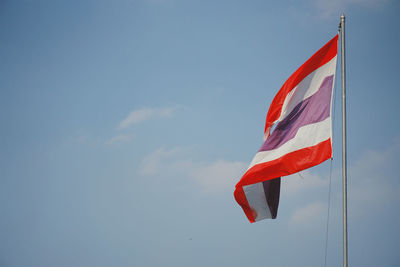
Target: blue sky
[126, 124]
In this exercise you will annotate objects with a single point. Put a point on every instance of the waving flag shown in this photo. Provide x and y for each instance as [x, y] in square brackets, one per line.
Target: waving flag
[297, 136]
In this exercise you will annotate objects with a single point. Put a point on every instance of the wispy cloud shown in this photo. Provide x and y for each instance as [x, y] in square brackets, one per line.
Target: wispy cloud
[160, 160]
[122, 138]
[308, 213]
[306, 180]
[146, 113]
[373, 180]
[373, 186]
[213, 176]
[220, 174]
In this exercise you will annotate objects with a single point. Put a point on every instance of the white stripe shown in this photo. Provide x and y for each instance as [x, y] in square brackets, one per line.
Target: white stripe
[307, 87]
[255, 196]
[306, 136]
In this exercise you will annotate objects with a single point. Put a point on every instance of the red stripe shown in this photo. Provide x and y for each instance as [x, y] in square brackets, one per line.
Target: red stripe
[288, 164]
[321, 57]
[241, 199]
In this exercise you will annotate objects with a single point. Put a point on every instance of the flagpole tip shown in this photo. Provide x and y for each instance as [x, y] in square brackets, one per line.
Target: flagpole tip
[342, 16]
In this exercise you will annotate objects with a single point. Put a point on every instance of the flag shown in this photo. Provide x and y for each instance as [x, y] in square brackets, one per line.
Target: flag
[297, 135]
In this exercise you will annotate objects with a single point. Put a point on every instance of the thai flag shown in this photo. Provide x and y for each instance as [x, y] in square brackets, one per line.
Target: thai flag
[297, 136]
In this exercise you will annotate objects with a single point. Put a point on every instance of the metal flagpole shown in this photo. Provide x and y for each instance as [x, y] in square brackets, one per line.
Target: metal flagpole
[344, 154]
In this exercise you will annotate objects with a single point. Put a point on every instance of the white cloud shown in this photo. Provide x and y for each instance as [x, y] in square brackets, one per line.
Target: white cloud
[373, 186]
[122, 138]
[83, 138]
[311, 212]
[215, 176]
[305, 181]
[143, 114]
[373, 181]
[159, 161]
[220, 174]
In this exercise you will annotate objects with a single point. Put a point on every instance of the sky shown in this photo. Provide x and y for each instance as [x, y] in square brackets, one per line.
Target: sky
[125, 126]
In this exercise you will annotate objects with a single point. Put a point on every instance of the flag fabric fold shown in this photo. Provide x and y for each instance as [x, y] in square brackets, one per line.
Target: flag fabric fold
[297, 135]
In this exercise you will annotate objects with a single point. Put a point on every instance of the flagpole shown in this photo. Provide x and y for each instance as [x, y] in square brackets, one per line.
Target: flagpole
[344, 152]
